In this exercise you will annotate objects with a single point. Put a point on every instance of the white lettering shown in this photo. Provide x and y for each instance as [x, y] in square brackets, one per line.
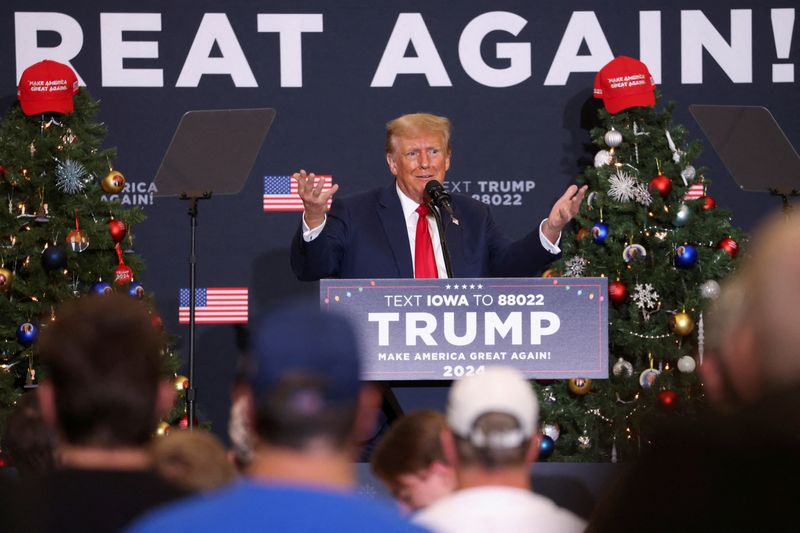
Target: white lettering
[410, 29]
[697, 34]
[518, 54]
[582, 26]
[215, 28]
[290, 28]
[27, 26]
[113, 50]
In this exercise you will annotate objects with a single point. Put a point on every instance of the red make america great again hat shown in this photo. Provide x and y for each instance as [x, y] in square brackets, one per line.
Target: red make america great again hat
[624, 82]
[47, 87]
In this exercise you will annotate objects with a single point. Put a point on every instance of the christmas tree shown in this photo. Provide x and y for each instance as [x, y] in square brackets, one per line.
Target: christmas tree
[648, 225]
[58, 239]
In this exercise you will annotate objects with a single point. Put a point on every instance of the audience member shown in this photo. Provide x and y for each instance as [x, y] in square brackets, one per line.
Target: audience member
[734, 469]
[491, 440]
[193, 460]
[410, 461]
[307, 404]
[29, 443]
[104, 392]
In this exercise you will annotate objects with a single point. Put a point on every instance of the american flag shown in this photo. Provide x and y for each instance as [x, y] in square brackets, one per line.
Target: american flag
[695, 191]
[280, 193]
[217, 305]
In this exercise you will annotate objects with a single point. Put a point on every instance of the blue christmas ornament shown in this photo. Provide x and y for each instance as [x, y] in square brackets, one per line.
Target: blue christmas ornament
[599, 232]
[685, 256]
[101, 287]
[136, 290]
[54, 258]
[27, 334]
[546, 447]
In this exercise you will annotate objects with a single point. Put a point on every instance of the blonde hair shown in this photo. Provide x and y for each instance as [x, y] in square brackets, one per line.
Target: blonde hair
[414, 124]
[194, 460]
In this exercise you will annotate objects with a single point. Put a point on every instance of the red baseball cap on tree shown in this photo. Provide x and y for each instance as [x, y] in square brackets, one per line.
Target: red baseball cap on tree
[47, 87]
[624, 82]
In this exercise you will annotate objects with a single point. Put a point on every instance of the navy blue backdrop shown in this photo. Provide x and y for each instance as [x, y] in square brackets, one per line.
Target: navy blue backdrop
[515, 77]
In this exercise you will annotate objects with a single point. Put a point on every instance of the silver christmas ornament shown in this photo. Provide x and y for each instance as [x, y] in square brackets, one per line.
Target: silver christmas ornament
[688, 173]
[552, 430]
[710, 290]
[682, 216]
[584, 442]
[602, 158]
[686, 364]
[622, 367]
[613, 138]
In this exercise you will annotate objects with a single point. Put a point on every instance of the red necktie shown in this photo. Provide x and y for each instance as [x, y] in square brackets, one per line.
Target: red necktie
[424, 260]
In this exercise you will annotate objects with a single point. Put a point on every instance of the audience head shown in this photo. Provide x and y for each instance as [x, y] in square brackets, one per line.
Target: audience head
[493, 417]
[193, 460]
[752, 328]
[29, 443]
[305, 380]
[410, 461]
[104, 386]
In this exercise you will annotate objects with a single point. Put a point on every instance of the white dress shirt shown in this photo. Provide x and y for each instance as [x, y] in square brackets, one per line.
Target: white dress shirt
[411, 216]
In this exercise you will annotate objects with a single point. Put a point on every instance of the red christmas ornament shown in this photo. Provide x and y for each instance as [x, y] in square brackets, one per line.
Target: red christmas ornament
[730, 246]
[667, 398]
[583, 232]
[123, 273]
[617, 292]
[708, 203]
[157, 321]
[661, 184]
[118, 229]
[2, 170]
[183, 422]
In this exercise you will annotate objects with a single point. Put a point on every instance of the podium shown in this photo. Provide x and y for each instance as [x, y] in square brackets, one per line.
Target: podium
[447, 329]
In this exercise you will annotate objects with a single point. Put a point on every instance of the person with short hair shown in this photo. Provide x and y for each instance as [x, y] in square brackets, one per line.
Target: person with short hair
[193, 459]
[491, 439]
[105, 389]
[375, 234]
[410, 461]
[308, 407]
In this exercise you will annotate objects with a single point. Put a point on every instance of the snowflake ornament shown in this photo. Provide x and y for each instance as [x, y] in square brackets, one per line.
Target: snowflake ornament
[69, 176]
[642, 194]
[576, 267]
[646, 299]
[622, 187]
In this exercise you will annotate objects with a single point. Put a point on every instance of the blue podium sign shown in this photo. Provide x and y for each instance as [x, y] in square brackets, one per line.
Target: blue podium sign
[442, 329]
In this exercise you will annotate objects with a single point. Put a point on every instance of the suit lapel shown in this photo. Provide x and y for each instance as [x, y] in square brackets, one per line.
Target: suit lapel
[455, 246]
[391, 215]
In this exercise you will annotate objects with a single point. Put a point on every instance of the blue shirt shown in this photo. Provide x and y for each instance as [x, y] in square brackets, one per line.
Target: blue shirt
[263, 506]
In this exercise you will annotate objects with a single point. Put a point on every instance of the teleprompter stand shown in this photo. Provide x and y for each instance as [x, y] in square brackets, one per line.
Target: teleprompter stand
[212, 152]
[753, 148]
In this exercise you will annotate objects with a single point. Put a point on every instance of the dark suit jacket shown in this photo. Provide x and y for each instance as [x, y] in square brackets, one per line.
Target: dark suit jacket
[365, 236]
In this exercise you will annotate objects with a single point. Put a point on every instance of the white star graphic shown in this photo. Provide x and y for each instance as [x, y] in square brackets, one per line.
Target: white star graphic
[480, 286]
[464, 286]
[471, 285]
[447, 286]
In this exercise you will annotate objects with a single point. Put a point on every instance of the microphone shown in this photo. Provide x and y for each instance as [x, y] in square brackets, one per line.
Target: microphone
[440, 198]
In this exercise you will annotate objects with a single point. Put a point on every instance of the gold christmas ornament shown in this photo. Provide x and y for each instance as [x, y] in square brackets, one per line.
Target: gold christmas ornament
[5, 279]
[113, 183]
[162, 428]
[580, 386]
[681, 323]
[181, 383]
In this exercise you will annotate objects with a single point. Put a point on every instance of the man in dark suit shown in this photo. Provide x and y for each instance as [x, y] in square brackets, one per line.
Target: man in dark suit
[372, 234]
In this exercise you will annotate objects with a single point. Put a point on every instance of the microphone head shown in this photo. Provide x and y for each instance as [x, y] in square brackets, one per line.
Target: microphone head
[432, 187]
[436, 191]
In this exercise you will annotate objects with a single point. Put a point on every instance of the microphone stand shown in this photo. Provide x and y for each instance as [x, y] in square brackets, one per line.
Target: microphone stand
[442, 239]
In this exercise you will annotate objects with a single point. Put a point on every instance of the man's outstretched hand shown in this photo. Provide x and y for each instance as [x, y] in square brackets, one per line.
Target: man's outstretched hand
[315, 200]
[563, 211]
